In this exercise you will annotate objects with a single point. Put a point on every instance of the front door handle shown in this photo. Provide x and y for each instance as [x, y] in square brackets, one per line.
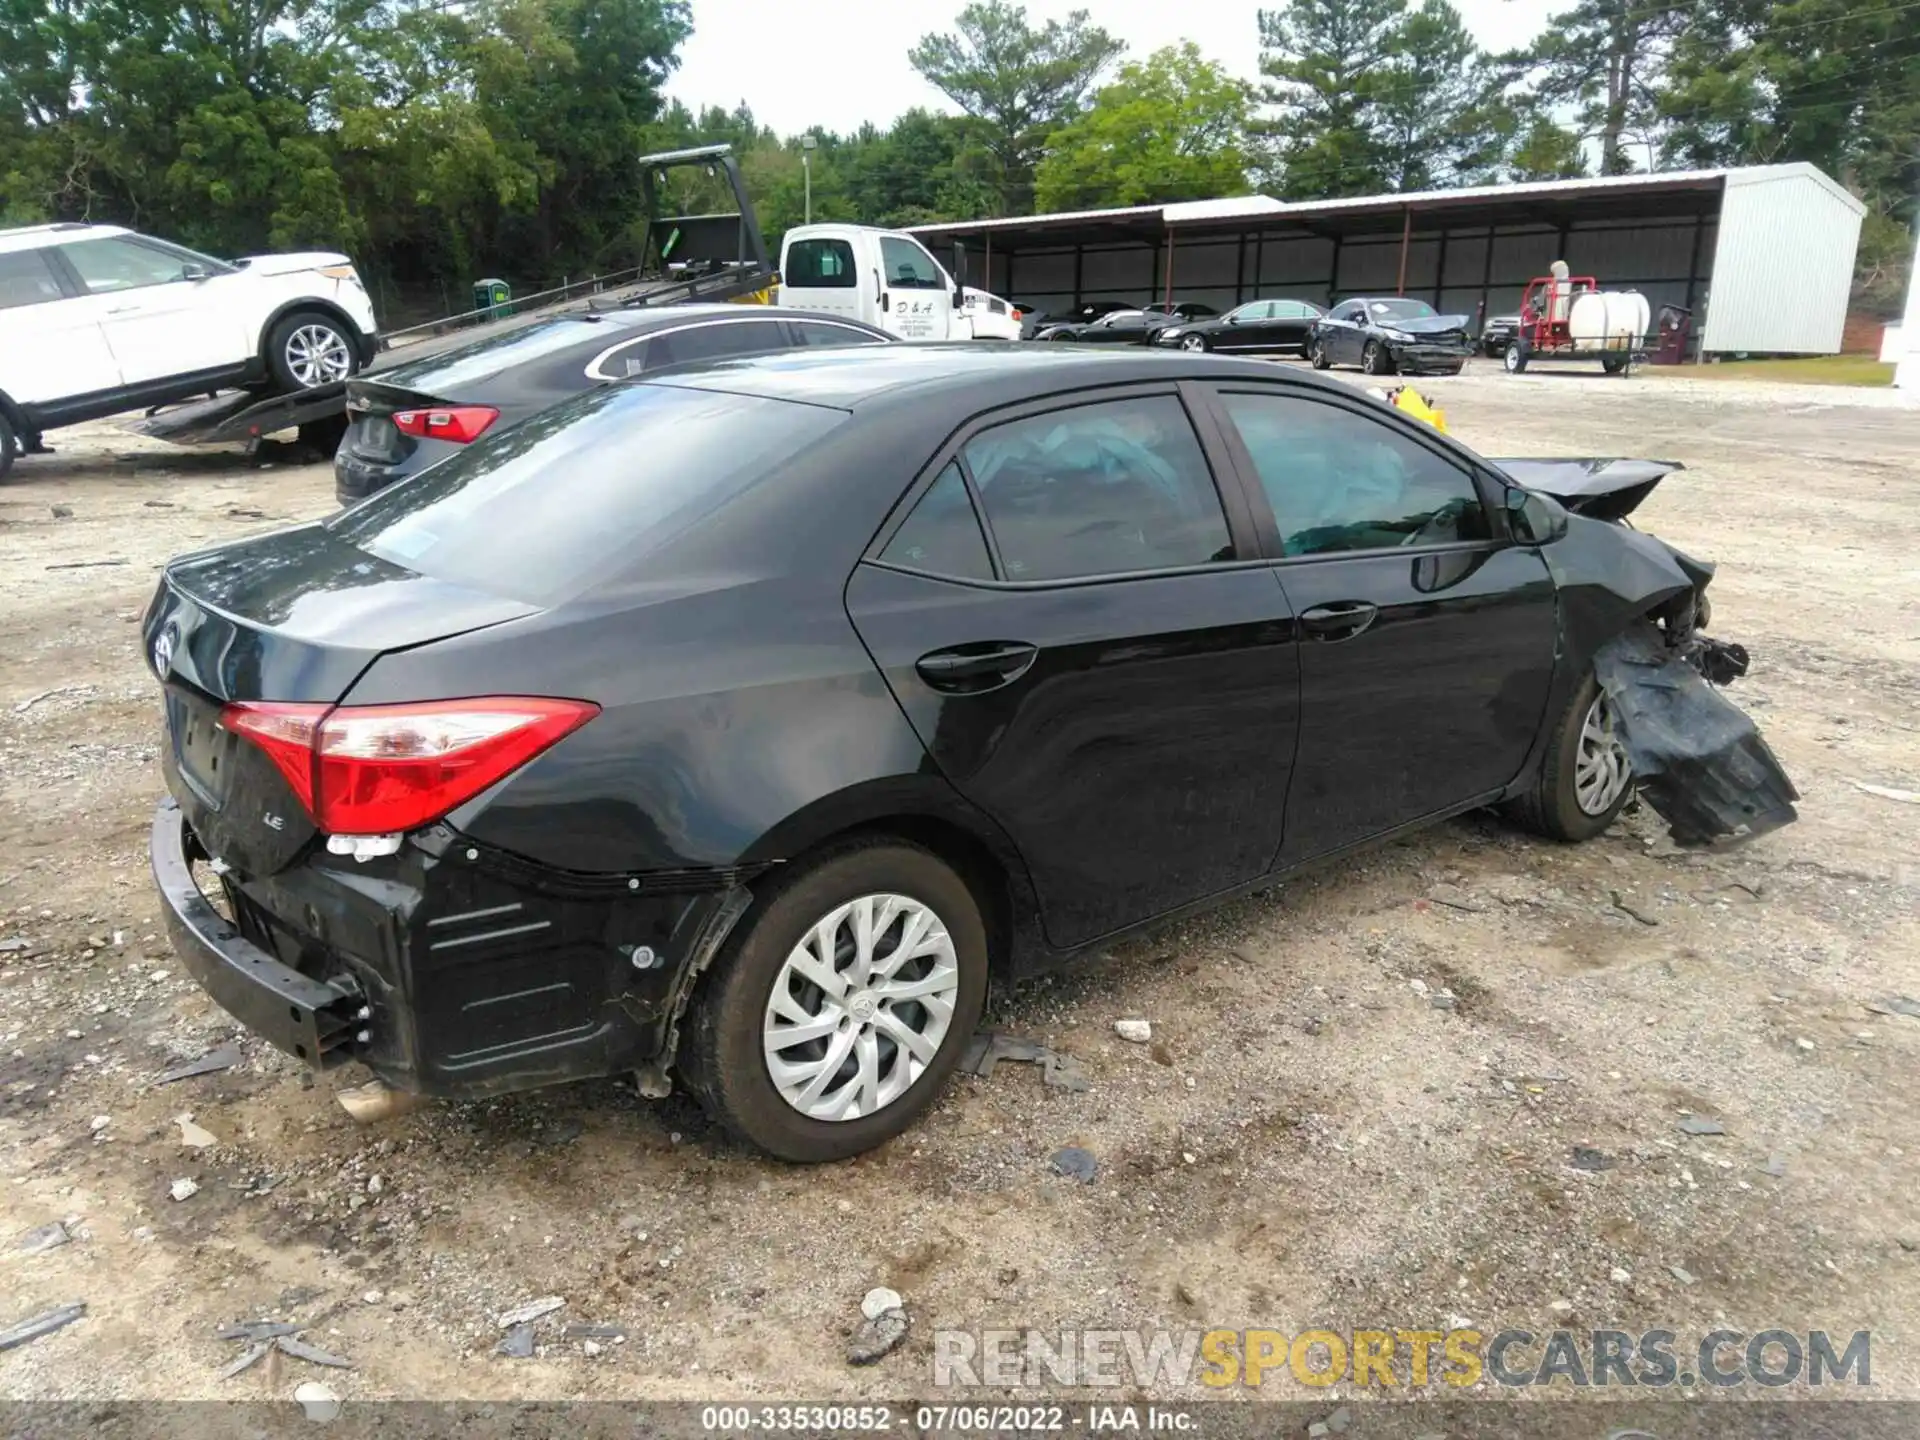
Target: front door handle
[970, 668]
[1341, 621]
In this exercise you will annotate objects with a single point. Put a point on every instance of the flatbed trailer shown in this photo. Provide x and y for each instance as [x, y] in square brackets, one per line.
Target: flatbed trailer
[319, 414]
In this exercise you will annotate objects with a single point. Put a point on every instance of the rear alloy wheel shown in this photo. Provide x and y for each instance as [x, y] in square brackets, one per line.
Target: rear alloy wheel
[833, 1022]
[1586, 776]
[1196, 343]
[1317, 354]
[1375, 360]
[308, 349]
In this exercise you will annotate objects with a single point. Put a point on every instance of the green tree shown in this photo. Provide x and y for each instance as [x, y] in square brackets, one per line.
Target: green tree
[1607, 61]
[1171, 128]
[1434, 103]
[1018, 83]
[1323, 63]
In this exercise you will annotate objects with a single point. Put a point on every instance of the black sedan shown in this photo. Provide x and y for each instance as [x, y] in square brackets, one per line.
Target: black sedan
[409, 416]
[1115, 327]
[1388, 335]
[1259, 327]
[741, 725]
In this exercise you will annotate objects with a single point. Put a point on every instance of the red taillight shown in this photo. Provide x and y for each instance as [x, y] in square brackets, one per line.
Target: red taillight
[458, 423]
[1019, 314]
[378, 769]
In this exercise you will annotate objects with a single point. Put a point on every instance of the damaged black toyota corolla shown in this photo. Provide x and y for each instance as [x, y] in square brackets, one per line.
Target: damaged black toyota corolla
[740, 725]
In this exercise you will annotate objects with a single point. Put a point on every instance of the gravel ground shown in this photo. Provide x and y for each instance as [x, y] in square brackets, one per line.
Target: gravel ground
[1309, 1140]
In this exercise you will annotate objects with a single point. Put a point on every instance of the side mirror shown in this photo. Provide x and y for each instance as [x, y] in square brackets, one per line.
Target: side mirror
[193, 270]
[959, 274]
[1536, 519]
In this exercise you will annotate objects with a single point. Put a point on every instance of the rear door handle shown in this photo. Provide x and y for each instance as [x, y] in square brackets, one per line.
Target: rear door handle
[1340, 621]
[976, 667]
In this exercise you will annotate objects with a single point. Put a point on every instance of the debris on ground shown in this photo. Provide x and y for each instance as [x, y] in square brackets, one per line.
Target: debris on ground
[1889, 792]
[1585, 1157]
[193, 1136]
[1455, 898]
[878, 1337]
[518, 1344]
[99, 1123]
[1620, 1275]
[43, 1238]
[879, 1300]
[1626, 909]
[531, 1311]
[1134, 1032]
[33, 700]
[312, 1354]
[1075, 1163]
[249, 1358]
[615, 1333]
[1896, 1005]
[988, 1048]
[223, 1058]
[1685, 1277]
[257, 1330]
[1700, 1125]
[27, 1331]
[184, 1188]
[321, 1405]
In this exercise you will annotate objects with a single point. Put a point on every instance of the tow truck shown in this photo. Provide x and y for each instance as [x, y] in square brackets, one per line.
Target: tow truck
[684, 258]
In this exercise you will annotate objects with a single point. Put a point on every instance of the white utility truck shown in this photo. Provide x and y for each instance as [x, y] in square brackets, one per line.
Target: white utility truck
[883, 277]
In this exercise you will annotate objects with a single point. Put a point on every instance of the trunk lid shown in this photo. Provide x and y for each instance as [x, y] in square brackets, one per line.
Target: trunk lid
[371, 433]
[1602, 489]
[292, 616]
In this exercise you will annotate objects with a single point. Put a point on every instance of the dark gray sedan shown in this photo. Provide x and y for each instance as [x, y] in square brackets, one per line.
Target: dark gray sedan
[403, 419]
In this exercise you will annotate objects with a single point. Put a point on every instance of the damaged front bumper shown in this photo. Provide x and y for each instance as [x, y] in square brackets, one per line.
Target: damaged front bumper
[1697, 758]
[449, 969]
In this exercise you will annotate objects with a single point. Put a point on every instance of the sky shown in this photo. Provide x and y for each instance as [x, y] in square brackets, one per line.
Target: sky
[837, 63]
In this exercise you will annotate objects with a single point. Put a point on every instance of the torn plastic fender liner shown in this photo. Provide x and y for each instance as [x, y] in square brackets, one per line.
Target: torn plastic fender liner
[1697, 757]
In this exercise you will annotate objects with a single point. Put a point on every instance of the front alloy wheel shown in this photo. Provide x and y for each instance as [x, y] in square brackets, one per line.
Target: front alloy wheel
[861, 1007]
[1601, 769]
[1374, 359]
[1193, 342]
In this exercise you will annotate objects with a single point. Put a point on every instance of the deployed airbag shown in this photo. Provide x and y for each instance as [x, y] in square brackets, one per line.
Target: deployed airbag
[1697, 757]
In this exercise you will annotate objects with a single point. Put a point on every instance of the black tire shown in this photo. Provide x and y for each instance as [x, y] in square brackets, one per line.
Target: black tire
[1613, 363]
[1551, 807]
[721, 1057]
[1517, 356]
[9, 445]
[1317, 354]
[1375, 360]
[281, 366]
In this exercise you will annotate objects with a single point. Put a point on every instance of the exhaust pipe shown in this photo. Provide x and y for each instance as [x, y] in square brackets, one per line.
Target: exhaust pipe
[375, 1101]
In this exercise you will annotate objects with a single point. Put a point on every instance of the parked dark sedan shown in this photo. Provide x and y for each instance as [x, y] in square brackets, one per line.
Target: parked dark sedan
[1116, 327]
[1390, 334]
[1034, 319]
[1259, 327]
[1181, 310]
[403, 419]
[741, 724]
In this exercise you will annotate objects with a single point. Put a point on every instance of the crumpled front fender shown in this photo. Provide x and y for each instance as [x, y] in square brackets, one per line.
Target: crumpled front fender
[1609, 576]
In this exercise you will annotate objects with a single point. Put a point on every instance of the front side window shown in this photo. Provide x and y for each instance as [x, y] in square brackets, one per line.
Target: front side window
[26, 279]
[1339, 480]
[1099, 490]
[908, 267]
[713, 342]
[1126, 320]
[118, 263]
[820, 264]
[942, 535]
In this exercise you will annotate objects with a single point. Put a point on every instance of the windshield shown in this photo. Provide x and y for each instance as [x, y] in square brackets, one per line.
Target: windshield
[548, 507]
[1400, 309]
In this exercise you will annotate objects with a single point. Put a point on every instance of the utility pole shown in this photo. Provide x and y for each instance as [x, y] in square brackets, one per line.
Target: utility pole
[808, 144]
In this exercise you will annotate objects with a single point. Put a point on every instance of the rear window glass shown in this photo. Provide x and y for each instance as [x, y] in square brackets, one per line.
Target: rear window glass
[549, 506]
[440, 374]
[818, 265]
[26, 279]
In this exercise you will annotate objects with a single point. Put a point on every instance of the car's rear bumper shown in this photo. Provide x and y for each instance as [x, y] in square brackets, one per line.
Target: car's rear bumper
[447, 969]
[355, 478]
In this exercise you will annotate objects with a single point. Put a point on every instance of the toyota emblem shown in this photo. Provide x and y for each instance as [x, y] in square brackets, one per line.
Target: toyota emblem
[163, 653]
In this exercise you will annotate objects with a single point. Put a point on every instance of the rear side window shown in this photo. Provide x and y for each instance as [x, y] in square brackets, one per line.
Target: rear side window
[714, 342]
[825, 332]
[1338, 480]
[545, 508]
[26, 279]
[819, 265]
[1099, 490]
[942, 535]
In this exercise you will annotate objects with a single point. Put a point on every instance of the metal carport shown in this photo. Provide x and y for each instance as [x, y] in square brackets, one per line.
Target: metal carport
[1772, 247]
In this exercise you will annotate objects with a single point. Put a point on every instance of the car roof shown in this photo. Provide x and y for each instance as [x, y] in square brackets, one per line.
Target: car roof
[988, 371]
[32, 237]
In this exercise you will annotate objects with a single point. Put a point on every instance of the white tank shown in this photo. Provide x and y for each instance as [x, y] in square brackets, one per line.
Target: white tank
[1609, 320]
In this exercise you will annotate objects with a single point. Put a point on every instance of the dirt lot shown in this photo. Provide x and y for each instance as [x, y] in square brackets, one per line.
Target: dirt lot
[1310, 1140]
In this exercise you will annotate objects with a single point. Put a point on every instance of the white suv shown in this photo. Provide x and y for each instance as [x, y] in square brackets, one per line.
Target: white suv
[95, 320]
